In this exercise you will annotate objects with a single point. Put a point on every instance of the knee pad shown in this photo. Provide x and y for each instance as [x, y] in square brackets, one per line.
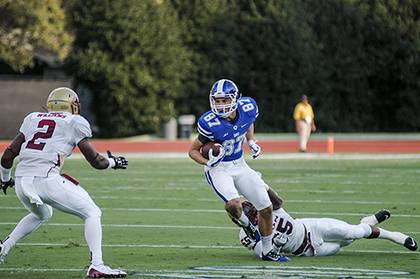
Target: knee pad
[46, 214]
[94, 212]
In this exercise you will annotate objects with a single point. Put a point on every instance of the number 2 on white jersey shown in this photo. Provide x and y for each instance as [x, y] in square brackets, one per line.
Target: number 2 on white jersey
[42, 135]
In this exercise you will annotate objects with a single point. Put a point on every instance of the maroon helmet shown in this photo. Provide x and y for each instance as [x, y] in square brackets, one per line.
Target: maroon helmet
[250, 211]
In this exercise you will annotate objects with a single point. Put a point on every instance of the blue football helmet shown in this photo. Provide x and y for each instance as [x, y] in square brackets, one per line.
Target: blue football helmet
[224, 88]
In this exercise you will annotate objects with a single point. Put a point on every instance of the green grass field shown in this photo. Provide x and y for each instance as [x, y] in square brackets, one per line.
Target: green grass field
[162, 219]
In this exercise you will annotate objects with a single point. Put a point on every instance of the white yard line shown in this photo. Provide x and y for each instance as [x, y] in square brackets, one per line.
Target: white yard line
[136, 226]
[173, 246]
[192, 210]
[151, 226]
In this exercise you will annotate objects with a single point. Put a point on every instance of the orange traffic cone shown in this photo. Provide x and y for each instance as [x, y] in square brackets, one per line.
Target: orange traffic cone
[330, 145]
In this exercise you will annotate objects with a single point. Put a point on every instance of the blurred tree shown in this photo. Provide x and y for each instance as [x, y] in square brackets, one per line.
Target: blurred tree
[370, 60]
[265, 46]
[197, 19]
[130, 55]
[31, 27]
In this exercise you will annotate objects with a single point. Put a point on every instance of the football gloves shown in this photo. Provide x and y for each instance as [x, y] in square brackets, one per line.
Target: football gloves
[215, 160]
[4, 185]
[120, 162]
[254, 148]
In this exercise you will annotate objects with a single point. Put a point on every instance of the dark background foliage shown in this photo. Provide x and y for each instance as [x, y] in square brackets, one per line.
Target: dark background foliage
[146, 61]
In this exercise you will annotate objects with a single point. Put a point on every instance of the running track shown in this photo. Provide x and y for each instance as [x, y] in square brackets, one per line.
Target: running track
[271, 146]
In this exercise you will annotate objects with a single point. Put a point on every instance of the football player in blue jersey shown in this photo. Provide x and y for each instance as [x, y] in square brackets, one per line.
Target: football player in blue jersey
[229, 122]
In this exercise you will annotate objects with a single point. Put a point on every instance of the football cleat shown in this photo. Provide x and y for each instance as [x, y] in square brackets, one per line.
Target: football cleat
[410, 244]
[104, 271]
[252, 232]
[382, 215]
[2, 254]
[274, 256]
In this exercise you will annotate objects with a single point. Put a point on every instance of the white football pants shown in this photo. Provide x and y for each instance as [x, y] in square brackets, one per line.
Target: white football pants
[39, 194]
[329, 235]
[229, 179]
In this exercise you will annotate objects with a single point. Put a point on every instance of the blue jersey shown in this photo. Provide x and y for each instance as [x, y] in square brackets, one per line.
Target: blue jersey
[230, 134]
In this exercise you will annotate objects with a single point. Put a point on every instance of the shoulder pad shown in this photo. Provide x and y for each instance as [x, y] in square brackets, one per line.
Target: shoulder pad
[249, 106]
[206, 124]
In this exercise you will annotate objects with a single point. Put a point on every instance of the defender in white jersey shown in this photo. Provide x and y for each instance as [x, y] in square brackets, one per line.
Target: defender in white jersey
[45, 139]
[229, 122]
[320, 236]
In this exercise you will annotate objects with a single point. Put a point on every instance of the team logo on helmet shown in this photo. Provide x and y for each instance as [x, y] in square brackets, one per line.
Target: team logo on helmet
[63, 99]
[225, 89]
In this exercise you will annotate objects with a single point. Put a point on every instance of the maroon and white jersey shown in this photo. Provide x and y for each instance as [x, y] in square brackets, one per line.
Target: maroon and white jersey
[291, 228]
[49, 138]
[292, 231]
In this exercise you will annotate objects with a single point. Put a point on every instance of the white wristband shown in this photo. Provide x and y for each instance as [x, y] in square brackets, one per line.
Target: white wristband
[5, 173]
[111, 163]
[251, 142]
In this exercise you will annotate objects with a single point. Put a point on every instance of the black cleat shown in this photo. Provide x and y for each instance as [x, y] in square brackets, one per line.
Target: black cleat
[274, 256]
[410, 244]
[382, 215]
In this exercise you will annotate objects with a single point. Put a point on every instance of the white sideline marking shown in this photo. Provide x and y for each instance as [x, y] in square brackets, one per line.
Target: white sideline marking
[173, 246]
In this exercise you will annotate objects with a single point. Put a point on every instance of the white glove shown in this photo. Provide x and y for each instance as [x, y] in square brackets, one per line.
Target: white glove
[279, 240]
[215, 160]
[254, 148]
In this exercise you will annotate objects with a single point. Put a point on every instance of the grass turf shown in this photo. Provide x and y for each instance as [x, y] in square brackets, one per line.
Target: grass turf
[160, 217]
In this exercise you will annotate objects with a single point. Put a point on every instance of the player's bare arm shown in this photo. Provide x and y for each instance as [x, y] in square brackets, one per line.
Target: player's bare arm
[253, 146]
[98, 161]
[250, 133]
[12, 151]
[195, 153]
[95, 159]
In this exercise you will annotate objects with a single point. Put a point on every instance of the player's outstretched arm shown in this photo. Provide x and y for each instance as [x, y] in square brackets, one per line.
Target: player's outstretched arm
[98, 161]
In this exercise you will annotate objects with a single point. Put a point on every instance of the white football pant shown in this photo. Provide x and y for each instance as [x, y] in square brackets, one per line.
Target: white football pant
[39, 194]
[229, 179]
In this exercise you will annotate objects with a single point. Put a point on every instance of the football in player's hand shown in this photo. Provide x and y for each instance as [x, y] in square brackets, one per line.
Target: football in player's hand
[210, 145]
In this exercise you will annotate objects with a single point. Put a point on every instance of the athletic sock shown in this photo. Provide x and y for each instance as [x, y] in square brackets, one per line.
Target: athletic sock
[267, 243]
[243, 220]
[93, 235]
[26, 225]
[396, 237]
[370, 220]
